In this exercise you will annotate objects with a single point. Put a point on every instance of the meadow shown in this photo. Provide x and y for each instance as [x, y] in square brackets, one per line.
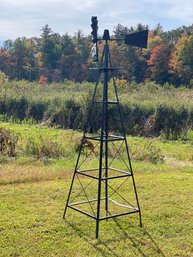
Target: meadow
[34, 184]
[148, 108]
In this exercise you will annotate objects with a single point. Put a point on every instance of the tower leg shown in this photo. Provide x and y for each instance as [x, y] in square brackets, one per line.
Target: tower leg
[97, 229]
[126, 145]
[65, 209]
[106, 118]
[104, 134]
[140, 219]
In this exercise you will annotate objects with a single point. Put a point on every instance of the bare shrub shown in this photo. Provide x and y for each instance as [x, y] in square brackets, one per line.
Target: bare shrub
[8, 142]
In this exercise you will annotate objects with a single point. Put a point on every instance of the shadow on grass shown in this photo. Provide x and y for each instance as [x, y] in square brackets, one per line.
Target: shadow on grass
[137, 243]
[141, 244]
[105, 250]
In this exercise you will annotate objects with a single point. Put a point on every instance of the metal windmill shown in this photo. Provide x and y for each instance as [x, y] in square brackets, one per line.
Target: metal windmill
[103, 184]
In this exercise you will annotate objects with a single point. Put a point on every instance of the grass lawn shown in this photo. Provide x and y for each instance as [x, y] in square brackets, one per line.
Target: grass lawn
[33, 196]
[32, 225]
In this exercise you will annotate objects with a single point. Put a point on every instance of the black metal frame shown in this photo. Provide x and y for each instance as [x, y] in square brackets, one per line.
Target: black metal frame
[104, 166]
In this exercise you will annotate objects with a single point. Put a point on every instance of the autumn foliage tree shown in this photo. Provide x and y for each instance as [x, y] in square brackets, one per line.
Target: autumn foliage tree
[168, 58]
[175, 63]
[158, 63]
[5, 61]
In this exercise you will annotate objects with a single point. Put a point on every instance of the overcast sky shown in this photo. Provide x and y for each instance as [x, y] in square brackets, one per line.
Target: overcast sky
[26, 17]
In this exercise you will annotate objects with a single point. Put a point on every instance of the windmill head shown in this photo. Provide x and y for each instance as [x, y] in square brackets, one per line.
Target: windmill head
[138, 39]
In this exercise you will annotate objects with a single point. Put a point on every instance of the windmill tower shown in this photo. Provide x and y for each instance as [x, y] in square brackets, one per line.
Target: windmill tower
[103, 184]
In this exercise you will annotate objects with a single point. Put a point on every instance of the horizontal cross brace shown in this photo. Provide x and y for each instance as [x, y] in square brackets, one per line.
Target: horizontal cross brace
[109, 102]
[132, 209]
[85, 173]
[104, 69]
[120, 214]
[83, 212]
[110, 138]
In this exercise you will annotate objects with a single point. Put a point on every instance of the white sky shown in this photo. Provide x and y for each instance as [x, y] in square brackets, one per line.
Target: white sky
[26, 17]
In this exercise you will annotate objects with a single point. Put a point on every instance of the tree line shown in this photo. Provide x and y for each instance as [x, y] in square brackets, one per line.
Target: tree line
[54, 58]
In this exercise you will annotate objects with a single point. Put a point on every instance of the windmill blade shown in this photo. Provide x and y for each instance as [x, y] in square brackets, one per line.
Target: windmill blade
[94, 50]
[138, 39]
[94, 26]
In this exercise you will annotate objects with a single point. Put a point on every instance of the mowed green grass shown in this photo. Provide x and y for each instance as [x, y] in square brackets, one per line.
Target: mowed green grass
[33, 196]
